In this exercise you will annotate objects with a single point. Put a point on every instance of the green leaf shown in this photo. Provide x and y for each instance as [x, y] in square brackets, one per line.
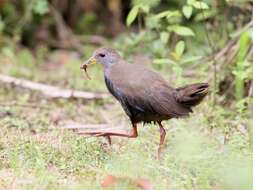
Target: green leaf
[174, 14]
[177, 70]
[200, 5]
[132, 15]
[241, 75]
[152, 22]
[144, 8]
[240, 69]
[181, 30]
[206, 14]
[187, 11]
[163, 14]
[243, 48]
[164, 36]
[180, 48]
[41, 7]
[164, 61]
[168, 14]
[190, 59]
[190, 2]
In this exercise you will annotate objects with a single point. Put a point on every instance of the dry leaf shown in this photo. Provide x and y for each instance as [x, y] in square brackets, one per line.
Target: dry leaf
[144, 184]
[108, 181]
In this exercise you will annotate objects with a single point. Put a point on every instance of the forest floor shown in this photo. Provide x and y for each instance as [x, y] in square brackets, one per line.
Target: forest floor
[212, 149]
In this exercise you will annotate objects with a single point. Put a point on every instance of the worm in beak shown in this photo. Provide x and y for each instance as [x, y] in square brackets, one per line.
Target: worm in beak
[86, 63]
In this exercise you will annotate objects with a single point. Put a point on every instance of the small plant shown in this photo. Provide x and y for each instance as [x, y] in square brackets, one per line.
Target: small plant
[165, 31]
[242, 68]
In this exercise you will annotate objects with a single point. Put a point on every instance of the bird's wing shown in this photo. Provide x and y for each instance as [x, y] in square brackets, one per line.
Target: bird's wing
[145, 90]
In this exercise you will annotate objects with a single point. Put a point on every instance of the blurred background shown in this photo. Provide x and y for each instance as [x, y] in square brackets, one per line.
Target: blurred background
[186, 41]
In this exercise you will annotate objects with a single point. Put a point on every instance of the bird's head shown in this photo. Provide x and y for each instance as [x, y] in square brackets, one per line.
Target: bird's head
[105, 56]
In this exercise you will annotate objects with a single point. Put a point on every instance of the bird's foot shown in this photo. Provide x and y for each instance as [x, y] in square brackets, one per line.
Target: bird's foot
[159, 150]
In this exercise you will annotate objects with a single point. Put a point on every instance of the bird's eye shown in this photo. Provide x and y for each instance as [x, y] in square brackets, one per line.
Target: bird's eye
[101, 55]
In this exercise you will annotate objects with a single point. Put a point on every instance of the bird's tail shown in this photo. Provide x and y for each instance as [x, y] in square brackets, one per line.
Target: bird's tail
[191, 95]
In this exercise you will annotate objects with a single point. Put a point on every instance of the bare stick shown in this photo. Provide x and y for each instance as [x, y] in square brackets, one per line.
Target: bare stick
[93, 129]
[52, 91]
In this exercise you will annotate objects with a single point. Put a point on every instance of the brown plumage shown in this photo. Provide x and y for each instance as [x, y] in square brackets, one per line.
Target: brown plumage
[144, 95]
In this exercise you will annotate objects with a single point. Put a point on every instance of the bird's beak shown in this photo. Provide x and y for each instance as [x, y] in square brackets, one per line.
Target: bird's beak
[84, 66]
[90, 61]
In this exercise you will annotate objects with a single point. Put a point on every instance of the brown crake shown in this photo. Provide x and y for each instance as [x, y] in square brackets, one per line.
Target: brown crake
[144, 95]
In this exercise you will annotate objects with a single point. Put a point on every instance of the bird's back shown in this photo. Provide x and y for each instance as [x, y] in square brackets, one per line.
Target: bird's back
[144, 94]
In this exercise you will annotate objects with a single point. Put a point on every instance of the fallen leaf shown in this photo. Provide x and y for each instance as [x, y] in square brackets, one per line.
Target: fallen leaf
[108, 181]
[144, 184]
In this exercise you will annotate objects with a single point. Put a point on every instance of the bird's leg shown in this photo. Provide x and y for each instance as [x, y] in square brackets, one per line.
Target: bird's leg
[109, 140]
[133, 134]
[162, 137]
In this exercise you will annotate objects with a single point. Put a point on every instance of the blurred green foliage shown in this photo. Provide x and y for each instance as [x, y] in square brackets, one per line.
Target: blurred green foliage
[176, 35]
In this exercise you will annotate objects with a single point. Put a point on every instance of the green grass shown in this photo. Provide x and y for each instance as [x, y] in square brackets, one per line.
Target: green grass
[211, 149]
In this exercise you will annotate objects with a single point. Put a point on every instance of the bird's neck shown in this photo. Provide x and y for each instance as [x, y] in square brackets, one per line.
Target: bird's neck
[107, 70]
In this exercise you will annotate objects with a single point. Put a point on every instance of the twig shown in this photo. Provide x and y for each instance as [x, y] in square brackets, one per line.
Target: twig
[246, 27]
[225, 50]
[90, 129]
[67, 39]
[52, 91]
[250, 52]
[225, 56]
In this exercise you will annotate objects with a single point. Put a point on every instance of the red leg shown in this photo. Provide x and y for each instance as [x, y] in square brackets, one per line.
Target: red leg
[109, 140]
[133, 134]
[162, 137]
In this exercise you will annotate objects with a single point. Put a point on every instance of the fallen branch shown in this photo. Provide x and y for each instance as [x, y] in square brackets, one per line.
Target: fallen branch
[224, 57]
[90, 129]
[28, 105]
[52, 91]
[67, 39]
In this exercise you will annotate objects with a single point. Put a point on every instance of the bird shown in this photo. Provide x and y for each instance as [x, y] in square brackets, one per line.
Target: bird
[143, 93]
